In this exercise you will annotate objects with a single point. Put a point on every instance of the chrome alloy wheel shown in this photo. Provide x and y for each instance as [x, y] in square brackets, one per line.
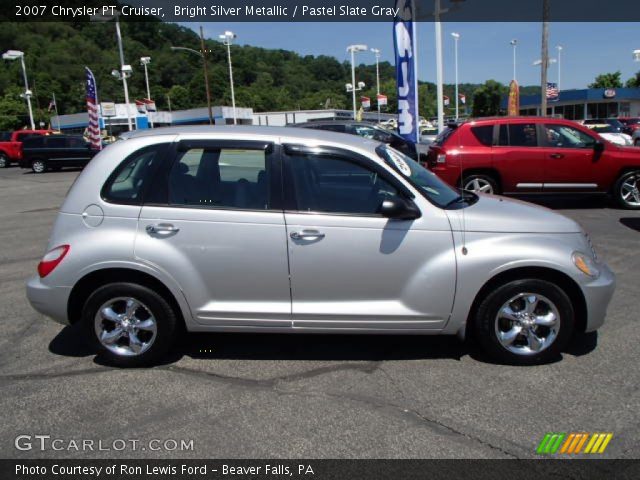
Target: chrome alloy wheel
[125, 326]
[629, 190]
[527, 324]
[478, 185]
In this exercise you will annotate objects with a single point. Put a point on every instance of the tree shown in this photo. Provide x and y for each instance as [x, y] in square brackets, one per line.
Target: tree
[13, 110]
[487, 98]
[607, 80]
[634, 82]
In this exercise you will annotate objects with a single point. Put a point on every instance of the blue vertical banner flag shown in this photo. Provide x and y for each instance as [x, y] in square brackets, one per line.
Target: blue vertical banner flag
[92, 108]
[404, 40]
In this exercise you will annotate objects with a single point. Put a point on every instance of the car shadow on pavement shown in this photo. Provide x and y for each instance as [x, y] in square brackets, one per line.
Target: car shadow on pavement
[570, 202]
[632, 222]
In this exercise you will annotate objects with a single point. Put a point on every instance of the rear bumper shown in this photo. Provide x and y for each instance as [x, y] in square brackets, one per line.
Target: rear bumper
[50, 301]
[597, 296]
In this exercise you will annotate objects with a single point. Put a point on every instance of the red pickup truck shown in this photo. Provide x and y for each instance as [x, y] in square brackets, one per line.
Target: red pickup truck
[11, 144]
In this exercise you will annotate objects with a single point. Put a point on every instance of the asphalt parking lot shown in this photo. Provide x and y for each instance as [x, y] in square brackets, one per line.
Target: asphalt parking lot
[295, 396]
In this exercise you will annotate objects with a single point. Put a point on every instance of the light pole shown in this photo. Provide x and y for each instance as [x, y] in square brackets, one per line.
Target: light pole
[227, 39]
[14, 55]
[144, 61]
[514, 44]
[351, 87]
[125, 71]
[376, 52]
[636, 55]
[559, 48]
[456, 38]
[206, 79]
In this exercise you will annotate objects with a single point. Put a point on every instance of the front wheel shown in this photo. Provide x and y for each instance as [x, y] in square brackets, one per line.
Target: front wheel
[4, 161]
[480, 184]
[38, 166]
[525, 322]
[627, 190]
[131, 325]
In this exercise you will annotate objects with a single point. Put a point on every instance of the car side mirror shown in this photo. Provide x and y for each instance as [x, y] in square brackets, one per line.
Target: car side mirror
[598, 147]
[399, 209]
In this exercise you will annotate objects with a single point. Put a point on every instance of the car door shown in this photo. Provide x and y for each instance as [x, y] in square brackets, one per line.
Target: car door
[215, 224]
[350, 267]
[78, 151]
[518, 157]
[569, 158]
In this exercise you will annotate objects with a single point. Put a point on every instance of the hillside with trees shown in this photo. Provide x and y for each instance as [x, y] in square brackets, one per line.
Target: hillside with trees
[265, 79]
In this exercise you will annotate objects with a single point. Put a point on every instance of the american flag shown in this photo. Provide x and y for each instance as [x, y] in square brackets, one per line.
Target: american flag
[92, 108]
[552, 92]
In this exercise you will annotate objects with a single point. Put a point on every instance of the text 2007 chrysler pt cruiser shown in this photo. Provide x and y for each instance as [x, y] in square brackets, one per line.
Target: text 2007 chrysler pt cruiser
[290, 230]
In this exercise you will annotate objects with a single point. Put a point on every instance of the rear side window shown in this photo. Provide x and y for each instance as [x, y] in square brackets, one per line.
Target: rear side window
[518, 135]
[5, 136]
[56, 142]
[443, 136]
[484, 134]
[333, 128]
[33, 142]
[127, 183]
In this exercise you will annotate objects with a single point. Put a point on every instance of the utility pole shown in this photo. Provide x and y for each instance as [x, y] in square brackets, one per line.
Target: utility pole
[545, 57]
[206, 75]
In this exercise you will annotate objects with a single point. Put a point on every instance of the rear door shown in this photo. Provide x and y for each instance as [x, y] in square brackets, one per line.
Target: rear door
[215, 224]
[518, 157]
[569, 158]
[78, 151]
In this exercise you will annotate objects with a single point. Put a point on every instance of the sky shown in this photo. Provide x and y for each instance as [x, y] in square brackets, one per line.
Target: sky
[484, 50]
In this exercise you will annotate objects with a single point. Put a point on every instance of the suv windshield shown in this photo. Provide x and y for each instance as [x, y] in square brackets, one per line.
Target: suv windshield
[426, 181]
[603, 129]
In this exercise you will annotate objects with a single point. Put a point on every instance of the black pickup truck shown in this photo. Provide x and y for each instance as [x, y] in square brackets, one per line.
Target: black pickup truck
[55, 151]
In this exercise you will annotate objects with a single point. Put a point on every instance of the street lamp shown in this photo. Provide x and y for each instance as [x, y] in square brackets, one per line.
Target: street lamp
[376, 52]
[352, 49]
[227, 39]
[206, 78]
[636, 55]
[559, 48]
[514, 44]
[144, 61]
[14, 55]
[456, 38]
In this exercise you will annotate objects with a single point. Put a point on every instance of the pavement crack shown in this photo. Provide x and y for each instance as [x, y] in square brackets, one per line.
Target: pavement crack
[49, 375]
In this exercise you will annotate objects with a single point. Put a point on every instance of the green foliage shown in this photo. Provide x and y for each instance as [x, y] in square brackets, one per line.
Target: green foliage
[634, 82]
[487, 98]
[607, 80]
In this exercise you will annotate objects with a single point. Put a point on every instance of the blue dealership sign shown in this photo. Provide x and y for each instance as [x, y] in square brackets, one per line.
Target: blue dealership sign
[406, 72]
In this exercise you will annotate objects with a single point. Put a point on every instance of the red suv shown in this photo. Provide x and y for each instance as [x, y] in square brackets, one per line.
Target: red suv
[517, 155]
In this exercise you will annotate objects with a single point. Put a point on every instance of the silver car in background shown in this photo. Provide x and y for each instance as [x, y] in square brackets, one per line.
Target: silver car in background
[262, 229]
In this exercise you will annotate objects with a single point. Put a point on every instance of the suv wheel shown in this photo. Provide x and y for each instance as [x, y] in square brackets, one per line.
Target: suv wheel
[129, 324]
[627, 190]
[525, 322]
[4, 161]
[38, 166]
[480, 184]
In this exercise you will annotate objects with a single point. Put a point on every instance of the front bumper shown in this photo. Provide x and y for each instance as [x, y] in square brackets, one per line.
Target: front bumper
[597, 295]
[48, 300]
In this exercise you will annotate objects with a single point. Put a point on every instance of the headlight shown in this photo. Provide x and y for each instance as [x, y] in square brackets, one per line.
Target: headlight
[585, 264]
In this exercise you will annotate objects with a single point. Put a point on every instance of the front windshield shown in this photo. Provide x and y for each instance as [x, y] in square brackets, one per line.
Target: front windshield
[426, 181]
[603, 129]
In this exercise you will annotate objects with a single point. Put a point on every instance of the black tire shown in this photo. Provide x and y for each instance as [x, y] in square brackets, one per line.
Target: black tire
[621, 188]
[4, 161]
[486, 322]
[160, 310]
[38, 166]
[482, 179]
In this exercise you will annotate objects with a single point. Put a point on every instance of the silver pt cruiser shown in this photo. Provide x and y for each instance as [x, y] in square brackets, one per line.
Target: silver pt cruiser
[260, 229]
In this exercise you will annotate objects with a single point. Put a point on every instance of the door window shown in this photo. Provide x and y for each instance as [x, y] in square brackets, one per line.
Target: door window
[220, 178]
[518, 135]
[563, 136]
[332, 184]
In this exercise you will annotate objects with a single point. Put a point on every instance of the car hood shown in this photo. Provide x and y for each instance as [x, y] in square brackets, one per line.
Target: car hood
[492, 213]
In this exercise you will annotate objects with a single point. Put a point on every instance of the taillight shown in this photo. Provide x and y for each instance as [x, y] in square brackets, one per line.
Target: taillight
[441, 158]
[51, 260]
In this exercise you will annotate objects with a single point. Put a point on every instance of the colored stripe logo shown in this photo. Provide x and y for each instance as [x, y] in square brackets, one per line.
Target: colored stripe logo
[574, 443]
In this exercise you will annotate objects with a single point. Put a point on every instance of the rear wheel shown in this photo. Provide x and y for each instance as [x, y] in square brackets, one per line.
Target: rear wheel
[627, 190]
[480, 183]
[525, 322]
[38, 166]
[4, 161]
[130, 325]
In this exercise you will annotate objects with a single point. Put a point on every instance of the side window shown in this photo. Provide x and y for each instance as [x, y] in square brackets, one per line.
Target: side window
[365, 131]
[563, 136]
[483, 134]
[75, 142]
[334, 128]
[56, 142]
[523, 135]
[332, 184]
[127, 183]
[220, 178]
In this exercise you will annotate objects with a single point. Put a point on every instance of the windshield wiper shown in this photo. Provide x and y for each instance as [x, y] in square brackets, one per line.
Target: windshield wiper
[466, 196]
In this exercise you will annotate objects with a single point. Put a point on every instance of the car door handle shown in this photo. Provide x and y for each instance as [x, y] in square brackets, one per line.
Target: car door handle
[556, 155]
[162, 228]
[307, 235]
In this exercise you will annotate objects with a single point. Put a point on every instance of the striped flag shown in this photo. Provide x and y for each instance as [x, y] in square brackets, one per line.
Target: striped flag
[553, 94]
[92, 108]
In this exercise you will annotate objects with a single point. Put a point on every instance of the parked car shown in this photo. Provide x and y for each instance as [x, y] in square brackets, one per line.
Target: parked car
[631, 124]
[615, 123]
[11, 145]
[366, 130]
[55, 152]
[428, 135]
[609, 133]
[516, 155]
[264, 229]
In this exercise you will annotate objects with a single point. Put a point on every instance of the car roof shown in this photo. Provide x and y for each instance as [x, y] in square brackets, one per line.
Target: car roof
[333, 122]
[246, 130]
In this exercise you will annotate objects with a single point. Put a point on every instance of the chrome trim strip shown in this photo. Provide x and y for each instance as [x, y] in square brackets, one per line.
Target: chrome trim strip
[529, 185]
[570, 185]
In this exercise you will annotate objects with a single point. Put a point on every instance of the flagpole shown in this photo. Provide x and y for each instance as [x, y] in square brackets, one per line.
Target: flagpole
[55, 107]
[415, 69]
